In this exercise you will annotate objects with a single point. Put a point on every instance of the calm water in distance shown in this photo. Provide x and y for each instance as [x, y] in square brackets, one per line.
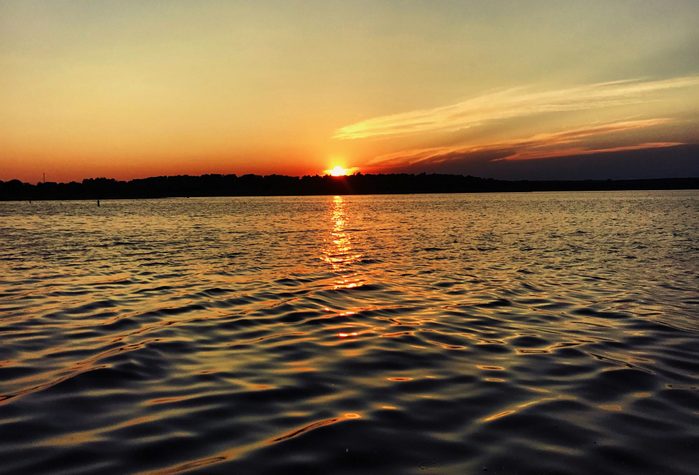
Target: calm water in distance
[494, 333]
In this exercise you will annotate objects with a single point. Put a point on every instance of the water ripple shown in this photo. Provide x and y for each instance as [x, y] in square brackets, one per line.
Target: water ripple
[507, 333]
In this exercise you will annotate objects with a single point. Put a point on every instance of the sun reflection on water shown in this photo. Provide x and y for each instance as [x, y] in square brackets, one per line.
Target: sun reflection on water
[338, 251]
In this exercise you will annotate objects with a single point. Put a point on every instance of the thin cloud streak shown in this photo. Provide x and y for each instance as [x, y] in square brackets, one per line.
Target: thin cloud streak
[546, 145]
[509, 104]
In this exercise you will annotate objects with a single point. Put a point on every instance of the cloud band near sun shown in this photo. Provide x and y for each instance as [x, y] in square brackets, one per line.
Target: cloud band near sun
[544, 145]
[509, 104]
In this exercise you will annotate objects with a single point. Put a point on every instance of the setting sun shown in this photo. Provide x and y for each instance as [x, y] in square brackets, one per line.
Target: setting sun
[338, 171]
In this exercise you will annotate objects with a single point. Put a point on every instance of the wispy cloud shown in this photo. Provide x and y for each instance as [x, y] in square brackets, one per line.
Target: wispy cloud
[545, 145]
[508, 104]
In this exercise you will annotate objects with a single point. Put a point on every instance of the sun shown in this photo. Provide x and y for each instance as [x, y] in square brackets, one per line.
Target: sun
[338, 171]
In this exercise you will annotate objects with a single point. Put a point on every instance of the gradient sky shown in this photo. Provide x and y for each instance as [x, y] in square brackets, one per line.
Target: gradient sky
[509, 89]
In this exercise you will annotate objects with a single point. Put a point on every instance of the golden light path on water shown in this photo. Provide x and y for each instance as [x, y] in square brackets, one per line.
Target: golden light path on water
[338, 252]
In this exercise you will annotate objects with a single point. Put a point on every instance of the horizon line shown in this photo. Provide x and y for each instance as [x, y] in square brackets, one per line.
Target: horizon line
[343, 177]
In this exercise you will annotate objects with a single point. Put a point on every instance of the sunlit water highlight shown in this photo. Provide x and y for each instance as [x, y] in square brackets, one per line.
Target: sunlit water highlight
[507, 333]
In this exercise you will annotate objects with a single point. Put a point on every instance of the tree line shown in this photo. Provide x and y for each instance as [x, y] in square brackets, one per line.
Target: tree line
[279, 185]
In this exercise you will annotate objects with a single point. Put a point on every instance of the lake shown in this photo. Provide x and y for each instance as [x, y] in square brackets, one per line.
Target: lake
[472, 333]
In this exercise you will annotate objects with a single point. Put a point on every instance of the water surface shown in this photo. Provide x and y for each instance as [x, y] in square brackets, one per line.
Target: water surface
[498, 333]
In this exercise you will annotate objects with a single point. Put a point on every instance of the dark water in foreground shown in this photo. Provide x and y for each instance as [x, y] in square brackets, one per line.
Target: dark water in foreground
[499, 333]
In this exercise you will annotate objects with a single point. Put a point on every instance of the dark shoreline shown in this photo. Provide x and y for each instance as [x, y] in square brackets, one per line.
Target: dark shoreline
[279, 185]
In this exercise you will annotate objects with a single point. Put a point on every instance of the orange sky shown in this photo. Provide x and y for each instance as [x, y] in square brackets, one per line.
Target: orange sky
[131, 89]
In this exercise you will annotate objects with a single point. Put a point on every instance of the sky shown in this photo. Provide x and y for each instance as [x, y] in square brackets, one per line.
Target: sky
[504, 89]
